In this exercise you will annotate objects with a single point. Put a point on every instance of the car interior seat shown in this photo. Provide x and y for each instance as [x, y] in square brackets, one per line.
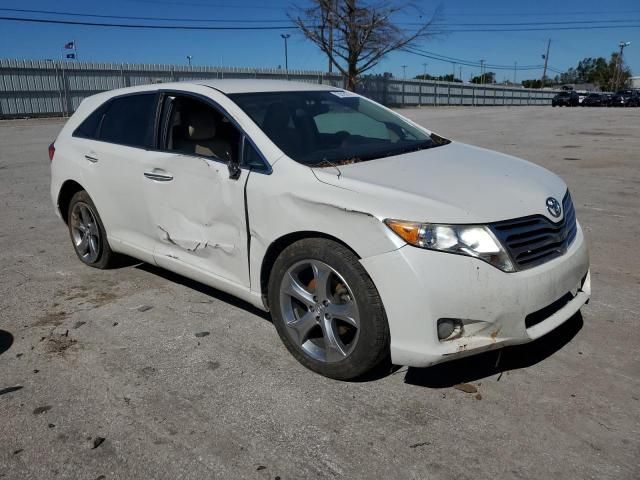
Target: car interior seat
[198, 135]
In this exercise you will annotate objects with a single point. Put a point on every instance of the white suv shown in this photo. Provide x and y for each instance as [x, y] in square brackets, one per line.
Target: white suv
[369, 238]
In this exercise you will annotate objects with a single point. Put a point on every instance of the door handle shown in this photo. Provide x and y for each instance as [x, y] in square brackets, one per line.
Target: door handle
[159, 176]
[91, 158]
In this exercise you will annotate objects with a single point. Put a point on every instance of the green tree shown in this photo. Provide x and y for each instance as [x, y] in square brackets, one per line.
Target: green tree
[608, 75]
[488, 77]
[535, 83]
[441, 78]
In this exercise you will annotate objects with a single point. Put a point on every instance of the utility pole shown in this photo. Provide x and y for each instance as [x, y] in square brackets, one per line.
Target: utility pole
[424, 74]
[515, 70]
[286, 36]
[453, 77]
[482, 71]
[618, 73]
[404, 71]
[546, 61]
[333, 6]
[461, 74]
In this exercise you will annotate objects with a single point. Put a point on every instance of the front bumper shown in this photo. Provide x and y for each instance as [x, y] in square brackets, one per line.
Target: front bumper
[419, 286]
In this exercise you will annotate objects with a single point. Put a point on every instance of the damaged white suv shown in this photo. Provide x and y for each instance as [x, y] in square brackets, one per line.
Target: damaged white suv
[368, 237]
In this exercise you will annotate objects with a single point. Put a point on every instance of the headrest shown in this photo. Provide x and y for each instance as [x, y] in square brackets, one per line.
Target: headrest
[201, 125]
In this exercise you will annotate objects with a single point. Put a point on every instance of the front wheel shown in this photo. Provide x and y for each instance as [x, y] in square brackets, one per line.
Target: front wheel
[327, 310]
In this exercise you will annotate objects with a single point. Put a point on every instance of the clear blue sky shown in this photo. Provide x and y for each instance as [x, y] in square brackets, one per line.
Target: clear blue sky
[265, 48]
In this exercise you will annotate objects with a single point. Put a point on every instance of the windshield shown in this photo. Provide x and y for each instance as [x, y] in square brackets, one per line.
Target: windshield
[324, 128]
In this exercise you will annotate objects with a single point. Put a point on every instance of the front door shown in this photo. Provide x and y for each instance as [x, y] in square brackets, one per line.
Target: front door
[197, 210]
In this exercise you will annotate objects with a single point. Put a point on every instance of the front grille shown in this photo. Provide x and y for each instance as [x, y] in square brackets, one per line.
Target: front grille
[535, 239]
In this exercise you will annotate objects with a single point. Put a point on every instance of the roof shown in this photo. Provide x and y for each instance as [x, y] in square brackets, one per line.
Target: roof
[255, 86]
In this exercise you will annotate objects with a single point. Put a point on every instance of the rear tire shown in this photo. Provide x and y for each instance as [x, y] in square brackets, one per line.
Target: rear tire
[88, 236]
[330, 316]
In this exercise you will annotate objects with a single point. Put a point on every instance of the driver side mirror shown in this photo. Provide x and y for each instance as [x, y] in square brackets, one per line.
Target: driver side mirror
[234, 169]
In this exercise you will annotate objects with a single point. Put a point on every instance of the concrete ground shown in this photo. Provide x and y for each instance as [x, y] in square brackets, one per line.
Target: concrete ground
[103, 374]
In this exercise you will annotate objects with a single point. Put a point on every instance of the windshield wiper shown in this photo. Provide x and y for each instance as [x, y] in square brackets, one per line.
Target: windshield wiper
[381, 154]
[407, 149]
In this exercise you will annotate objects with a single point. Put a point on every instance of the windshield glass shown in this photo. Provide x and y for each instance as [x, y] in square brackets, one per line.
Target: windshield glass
[324, 128]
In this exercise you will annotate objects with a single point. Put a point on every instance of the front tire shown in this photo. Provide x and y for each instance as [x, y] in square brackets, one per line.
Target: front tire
[88, 236]
[327, 310]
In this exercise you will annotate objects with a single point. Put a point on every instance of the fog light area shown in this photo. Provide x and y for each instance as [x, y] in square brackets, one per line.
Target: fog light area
[449, 328]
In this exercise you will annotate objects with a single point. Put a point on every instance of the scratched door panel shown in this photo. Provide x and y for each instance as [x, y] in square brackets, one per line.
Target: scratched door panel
[198, 216]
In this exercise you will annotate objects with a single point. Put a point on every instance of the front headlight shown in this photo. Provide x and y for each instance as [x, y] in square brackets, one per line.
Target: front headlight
[472, 240]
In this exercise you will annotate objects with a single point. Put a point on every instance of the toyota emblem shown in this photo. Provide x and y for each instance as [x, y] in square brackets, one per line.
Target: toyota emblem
[554, 207]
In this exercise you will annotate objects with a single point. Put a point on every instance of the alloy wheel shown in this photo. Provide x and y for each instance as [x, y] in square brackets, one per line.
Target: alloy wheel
[319, 311]
[85, 232]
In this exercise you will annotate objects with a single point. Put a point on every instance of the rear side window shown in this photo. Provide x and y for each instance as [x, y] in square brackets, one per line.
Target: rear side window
[89, 128]
[129, 121]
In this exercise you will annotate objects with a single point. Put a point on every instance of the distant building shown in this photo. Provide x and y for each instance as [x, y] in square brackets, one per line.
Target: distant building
[635, 82]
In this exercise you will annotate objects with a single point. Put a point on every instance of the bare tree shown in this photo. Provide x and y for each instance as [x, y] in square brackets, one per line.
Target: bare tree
[355, 34]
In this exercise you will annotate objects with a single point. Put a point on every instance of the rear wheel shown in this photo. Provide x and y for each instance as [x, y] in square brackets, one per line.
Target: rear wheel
[327, 311]
[87, 232]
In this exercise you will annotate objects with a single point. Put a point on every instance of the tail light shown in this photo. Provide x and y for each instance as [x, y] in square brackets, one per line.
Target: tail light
[52, 151]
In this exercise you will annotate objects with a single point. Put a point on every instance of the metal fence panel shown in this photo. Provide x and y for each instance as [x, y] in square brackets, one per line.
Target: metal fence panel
[50, 88]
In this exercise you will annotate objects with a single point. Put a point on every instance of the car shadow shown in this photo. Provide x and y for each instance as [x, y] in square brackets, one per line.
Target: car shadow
[204, 289]
[487, 364]
[6, 340]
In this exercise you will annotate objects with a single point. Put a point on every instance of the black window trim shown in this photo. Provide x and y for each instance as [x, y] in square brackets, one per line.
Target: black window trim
[106, 105]
[154, 147]
[215, 105]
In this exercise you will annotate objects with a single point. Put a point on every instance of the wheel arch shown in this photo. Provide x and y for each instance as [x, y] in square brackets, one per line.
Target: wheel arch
[277, 247]
[68, 189]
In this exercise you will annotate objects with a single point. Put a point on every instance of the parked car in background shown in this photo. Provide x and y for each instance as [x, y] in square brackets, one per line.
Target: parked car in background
[626, 98]
[594, 100]
[607, 99]
[368, 237]
[582, 94]
[566, 99]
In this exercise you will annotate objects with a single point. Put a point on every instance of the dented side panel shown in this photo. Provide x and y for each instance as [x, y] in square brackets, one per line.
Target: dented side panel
[293, 200]
[198, 217]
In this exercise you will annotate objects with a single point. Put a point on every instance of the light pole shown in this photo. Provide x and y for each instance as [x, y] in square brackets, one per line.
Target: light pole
[618, 75]
[546, 61]
[286, 52]
[189, 57]
[404, 72]
[482, 71]
[515, 70]
[424, 74]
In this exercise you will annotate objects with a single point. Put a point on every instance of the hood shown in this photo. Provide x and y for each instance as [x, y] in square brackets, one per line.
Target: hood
[454, 183]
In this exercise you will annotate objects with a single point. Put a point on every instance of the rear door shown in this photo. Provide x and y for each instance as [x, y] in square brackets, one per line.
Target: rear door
[115, 143]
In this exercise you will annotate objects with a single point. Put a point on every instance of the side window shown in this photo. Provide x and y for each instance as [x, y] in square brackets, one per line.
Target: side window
[129, 121]
[193, 127]
[89, 128]
[252, 159]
